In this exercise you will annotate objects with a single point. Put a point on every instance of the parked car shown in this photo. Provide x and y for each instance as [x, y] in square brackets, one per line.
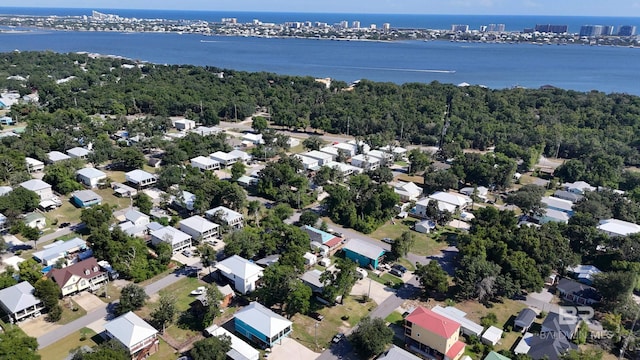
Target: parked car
[395, 272]
[336, 339]
[186, 253]
[400, 268]
[64, 225]
[317, 316]
[361, 273]
[388, 240]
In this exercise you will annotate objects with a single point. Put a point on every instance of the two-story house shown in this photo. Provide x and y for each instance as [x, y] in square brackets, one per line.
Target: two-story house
[433, 335]
[242, 273]
[134, 334]
[83, 275]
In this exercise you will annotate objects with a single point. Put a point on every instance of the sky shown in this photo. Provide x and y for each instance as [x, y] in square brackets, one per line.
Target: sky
[629, 8]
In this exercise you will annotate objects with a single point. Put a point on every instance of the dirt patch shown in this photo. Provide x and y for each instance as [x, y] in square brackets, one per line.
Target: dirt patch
[37, 327]
[88, 301]
[376, 291]
[119, 283]
[291, 349]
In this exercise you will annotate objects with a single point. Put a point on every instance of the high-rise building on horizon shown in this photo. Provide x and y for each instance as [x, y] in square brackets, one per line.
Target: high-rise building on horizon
[460, 28]
[355, 24]
[550, 28]
[386, 27]
[627, 30]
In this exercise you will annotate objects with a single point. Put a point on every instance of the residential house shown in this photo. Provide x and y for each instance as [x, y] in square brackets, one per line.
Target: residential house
[312, 279]
[86, 198]
[207, 130]
[345, 170]
[524, 319]
[184, 201]
[333, 151]
[184, 124]
[321, 157]
[397, 353]
[81, 276]
[360, 145]
[467, 326]
[241, 155]
[242, 273]
[366, 254]
[566, 325]
[4, 190]
[177, 239]
[6, 120]
[422, 205]
[479, 191]
[584, 273]
[78, 153]
[491, 336]
[134, 334]
[552, 215]
[19, 303]
[123, 190]
[385, 157]
[140, 178]
[35, 220]
[240, 350]
[349, 149]
[310, 259]
[614, 227]
[309, 164]
[578, 187]
[247, 181]
[228, 217]
[199, 228]
[408, 191]
[322, 238]
[202, 303]
[91, 177]
[56, 156]
[553, 203]
[492, 355]
[433, 335]
[547, 347]
[366, 162]
[253, 139]
[225, 159]
[424, 226]
[136, 217]
[576, 292]
[398, 152]
[458, 200]
[39, 187]
[34, 165]
[72, 250]
[261, 325]
[205, 163]
[567, 195]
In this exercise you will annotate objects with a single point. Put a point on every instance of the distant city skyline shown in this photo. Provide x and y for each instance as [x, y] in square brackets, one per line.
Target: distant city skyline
[622, 8]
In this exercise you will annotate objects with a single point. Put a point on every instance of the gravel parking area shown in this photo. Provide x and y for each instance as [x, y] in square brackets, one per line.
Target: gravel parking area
[291, 349]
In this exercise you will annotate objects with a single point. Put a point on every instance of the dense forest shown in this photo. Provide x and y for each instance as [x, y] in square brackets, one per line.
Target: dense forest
[565, 123]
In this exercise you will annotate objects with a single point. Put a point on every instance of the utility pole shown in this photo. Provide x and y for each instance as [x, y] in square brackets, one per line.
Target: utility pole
[348, 123]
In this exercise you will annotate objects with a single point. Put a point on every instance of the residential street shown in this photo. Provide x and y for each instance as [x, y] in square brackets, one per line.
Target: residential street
[102, 313]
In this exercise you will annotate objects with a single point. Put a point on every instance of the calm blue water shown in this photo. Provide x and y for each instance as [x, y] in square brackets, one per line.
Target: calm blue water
[575, 67]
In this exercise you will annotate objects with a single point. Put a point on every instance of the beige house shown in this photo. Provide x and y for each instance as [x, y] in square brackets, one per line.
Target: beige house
[81, 276]
[433, 335]
[134, 334]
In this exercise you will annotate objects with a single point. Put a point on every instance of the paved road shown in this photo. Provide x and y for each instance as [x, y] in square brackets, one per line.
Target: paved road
[103, 312]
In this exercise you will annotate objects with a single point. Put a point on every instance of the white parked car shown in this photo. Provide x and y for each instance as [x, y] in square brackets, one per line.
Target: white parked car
[362, 273]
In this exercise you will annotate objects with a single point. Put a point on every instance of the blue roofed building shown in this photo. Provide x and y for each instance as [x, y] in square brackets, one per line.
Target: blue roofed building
[261, 325]
[322, 237]
[367, 255]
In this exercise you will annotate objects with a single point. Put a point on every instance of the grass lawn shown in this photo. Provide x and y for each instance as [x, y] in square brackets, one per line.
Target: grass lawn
[386, 278]
[425, 244]
[395, 318]
[116, 176]
[108, 197]
[60, 349]
[68, 315]
[65, 213]
[415, 179]
[112, 291]
[165, 352]
[304, 329]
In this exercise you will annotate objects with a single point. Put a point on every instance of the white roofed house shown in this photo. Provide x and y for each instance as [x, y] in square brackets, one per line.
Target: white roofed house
[260, 324]
[72, 250]
[242, 273]
[19, 303]
[408, 191]
[422, 205]
[360, 145]
[34, 165]
[39, 187]
[345, 170]
[255, 139]
[228, 217]
[78, 153]
[184, 124]
[385, 157]
[184, 200]
[55, 156]
[366, 162]
[333, 151]
[134, 334]
[322, 157]
[199, 228]
[615, 227]
[349, 149]
[91, 177]
[458, 200]
[578, 187]
[225, 159]
[397, 151]
[241, 155]
[140, 178]
[205, 163]
[308, 163]
[240, 350]
[177, 239]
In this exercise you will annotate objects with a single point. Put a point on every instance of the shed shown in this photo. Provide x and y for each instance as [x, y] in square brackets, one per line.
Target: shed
[310, 259]
[524, 319]
[492, 335]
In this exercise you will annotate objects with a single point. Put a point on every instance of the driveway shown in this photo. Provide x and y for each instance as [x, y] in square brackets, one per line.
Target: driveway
[377, 292]
[38, 326]
[88, 301]
[189, 261]
[291, 349]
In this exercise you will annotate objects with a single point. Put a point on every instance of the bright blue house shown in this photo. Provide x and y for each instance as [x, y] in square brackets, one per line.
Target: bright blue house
[364, 253]
[261, 325]
[86, 198]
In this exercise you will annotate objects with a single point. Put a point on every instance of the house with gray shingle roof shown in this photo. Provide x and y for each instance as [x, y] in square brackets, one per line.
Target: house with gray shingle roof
[18, 302]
